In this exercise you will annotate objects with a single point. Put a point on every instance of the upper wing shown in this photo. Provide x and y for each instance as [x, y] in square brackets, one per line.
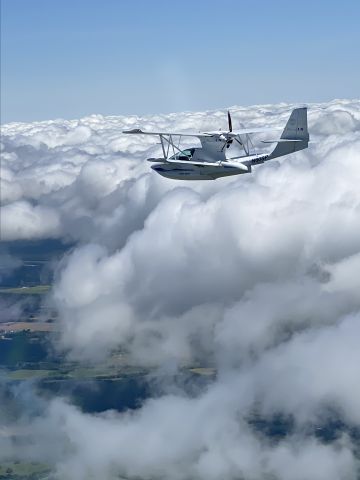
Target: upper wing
[204, 134]
[241, 132]
[180, 134]
[255, 130]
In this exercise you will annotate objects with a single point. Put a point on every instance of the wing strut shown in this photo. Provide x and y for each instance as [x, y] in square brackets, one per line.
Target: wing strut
[245, 143]
[167, 142]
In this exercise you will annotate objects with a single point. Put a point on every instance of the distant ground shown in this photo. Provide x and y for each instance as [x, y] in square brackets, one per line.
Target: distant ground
[7, 327]
[23, 471]
[32, 262]
[34, 290]
[28, 331]
[28, 336]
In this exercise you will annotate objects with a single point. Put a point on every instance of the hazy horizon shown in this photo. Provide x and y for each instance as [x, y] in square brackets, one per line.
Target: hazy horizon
[72, 59]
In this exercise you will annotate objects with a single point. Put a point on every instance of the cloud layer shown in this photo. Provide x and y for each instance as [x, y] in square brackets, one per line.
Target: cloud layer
[256, 275]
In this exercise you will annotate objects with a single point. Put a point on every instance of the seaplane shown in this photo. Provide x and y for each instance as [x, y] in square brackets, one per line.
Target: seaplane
[210, 162]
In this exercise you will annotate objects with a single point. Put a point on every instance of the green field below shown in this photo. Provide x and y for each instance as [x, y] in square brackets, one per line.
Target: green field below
[27, 374]
[36, 290]
[19, 470]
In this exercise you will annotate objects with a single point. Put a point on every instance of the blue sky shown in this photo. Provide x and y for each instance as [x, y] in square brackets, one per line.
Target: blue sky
[73, 58]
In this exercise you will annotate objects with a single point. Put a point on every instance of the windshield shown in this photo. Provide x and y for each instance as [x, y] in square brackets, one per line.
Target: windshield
[184, 155]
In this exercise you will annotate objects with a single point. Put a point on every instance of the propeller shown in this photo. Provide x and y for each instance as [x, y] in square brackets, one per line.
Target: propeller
[228, 141]
[229, 122]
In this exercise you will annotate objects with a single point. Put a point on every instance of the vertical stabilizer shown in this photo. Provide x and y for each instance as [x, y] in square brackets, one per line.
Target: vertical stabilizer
[295, 136]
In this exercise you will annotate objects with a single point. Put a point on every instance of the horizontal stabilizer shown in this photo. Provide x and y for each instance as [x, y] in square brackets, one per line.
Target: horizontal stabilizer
[281, 140]
[243, 131]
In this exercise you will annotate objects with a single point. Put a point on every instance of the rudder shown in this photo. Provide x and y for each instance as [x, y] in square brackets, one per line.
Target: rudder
[295, 136]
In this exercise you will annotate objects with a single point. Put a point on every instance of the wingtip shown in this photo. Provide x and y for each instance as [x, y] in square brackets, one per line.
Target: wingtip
[134, 130]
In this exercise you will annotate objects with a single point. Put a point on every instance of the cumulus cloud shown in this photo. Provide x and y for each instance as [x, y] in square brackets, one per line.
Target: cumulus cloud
[23, 221]
[257, 276]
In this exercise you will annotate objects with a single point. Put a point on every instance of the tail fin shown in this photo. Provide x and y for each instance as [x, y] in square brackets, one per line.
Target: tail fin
[295, 136]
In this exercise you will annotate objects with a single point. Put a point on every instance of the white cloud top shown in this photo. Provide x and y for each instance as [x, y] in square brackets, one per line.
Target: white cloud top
[258, 275]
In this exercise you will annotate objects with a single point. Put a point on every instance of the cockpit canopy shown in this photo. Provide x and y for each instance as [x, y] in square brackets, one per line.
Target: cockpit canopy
[184, 154]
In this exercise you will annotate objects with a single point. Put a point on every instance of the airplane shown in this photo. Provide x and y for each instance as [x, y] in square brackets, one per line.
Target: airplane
[209, 161]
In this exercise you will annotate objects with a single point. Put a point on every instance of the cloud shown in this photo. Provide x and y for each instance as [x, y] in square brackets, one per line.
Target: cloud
[316, 369]
[254, 275]
[21, 220]
[203, 437]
